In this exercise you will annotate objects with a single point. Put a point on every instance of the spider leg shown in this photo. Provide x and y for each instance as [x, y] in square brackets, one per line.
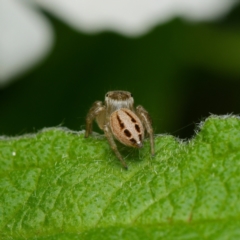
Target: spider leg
[146, 120]
[96, 109]
[113, 145]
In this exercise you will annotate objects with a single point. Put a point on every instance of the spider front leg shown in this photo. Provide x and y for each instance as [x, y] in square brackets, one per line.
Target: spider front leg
[113, 145]
[96, 110]
[146, 120]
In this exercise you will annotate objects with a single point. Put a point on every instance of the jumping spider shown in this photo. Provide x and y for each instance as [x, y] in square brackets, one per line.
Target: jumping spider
[119, 119]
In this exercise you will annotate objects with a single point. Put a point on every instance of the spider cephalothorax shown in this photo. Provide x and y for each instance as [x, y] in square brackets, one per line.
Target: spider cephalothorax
[120, 120]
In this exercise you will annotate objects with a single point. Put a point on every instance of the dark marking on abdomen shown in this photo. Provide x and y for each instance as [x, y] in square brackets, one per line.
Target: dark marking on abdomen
[133, 140]
[121, 124]
[132, 118]
[127, 133]
[140, 137]
[137, 128]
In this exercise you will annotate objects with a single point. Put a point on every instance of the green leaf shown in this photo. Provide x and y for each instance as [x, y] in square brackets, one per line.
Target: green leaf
[58, 185]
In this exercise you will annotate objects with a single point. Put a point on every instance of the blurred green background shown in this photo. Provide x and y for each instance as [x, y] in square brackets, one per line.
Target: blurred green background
[180, 72]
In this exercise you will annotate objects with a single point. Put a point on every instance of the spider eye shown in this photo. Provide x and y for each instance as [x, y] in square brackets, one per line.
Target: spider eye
[106, 95]
[131, 95]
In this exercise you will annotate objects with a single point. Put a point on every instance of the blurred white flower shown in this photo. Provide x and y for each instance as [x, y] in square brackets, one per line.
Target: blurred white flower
[132, 17]
[25, 38]
[26, 35]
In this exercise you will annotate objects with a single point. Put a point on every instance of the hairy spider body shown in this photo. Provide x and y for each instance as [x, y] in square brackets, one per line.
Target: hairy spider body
[120, 120]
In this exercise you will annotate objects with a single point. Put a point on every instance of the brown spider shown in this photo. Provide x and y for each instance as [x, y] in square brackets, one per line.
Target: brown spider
[118, 118]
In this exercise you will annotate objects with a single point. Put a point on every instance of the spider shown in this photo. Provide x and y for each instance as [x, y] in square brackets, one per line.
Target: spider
[120, 120]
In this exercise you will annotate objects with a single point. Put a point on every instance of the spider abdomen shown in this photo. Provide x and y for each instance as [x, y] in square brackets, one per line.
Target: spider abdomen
[127, 127]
